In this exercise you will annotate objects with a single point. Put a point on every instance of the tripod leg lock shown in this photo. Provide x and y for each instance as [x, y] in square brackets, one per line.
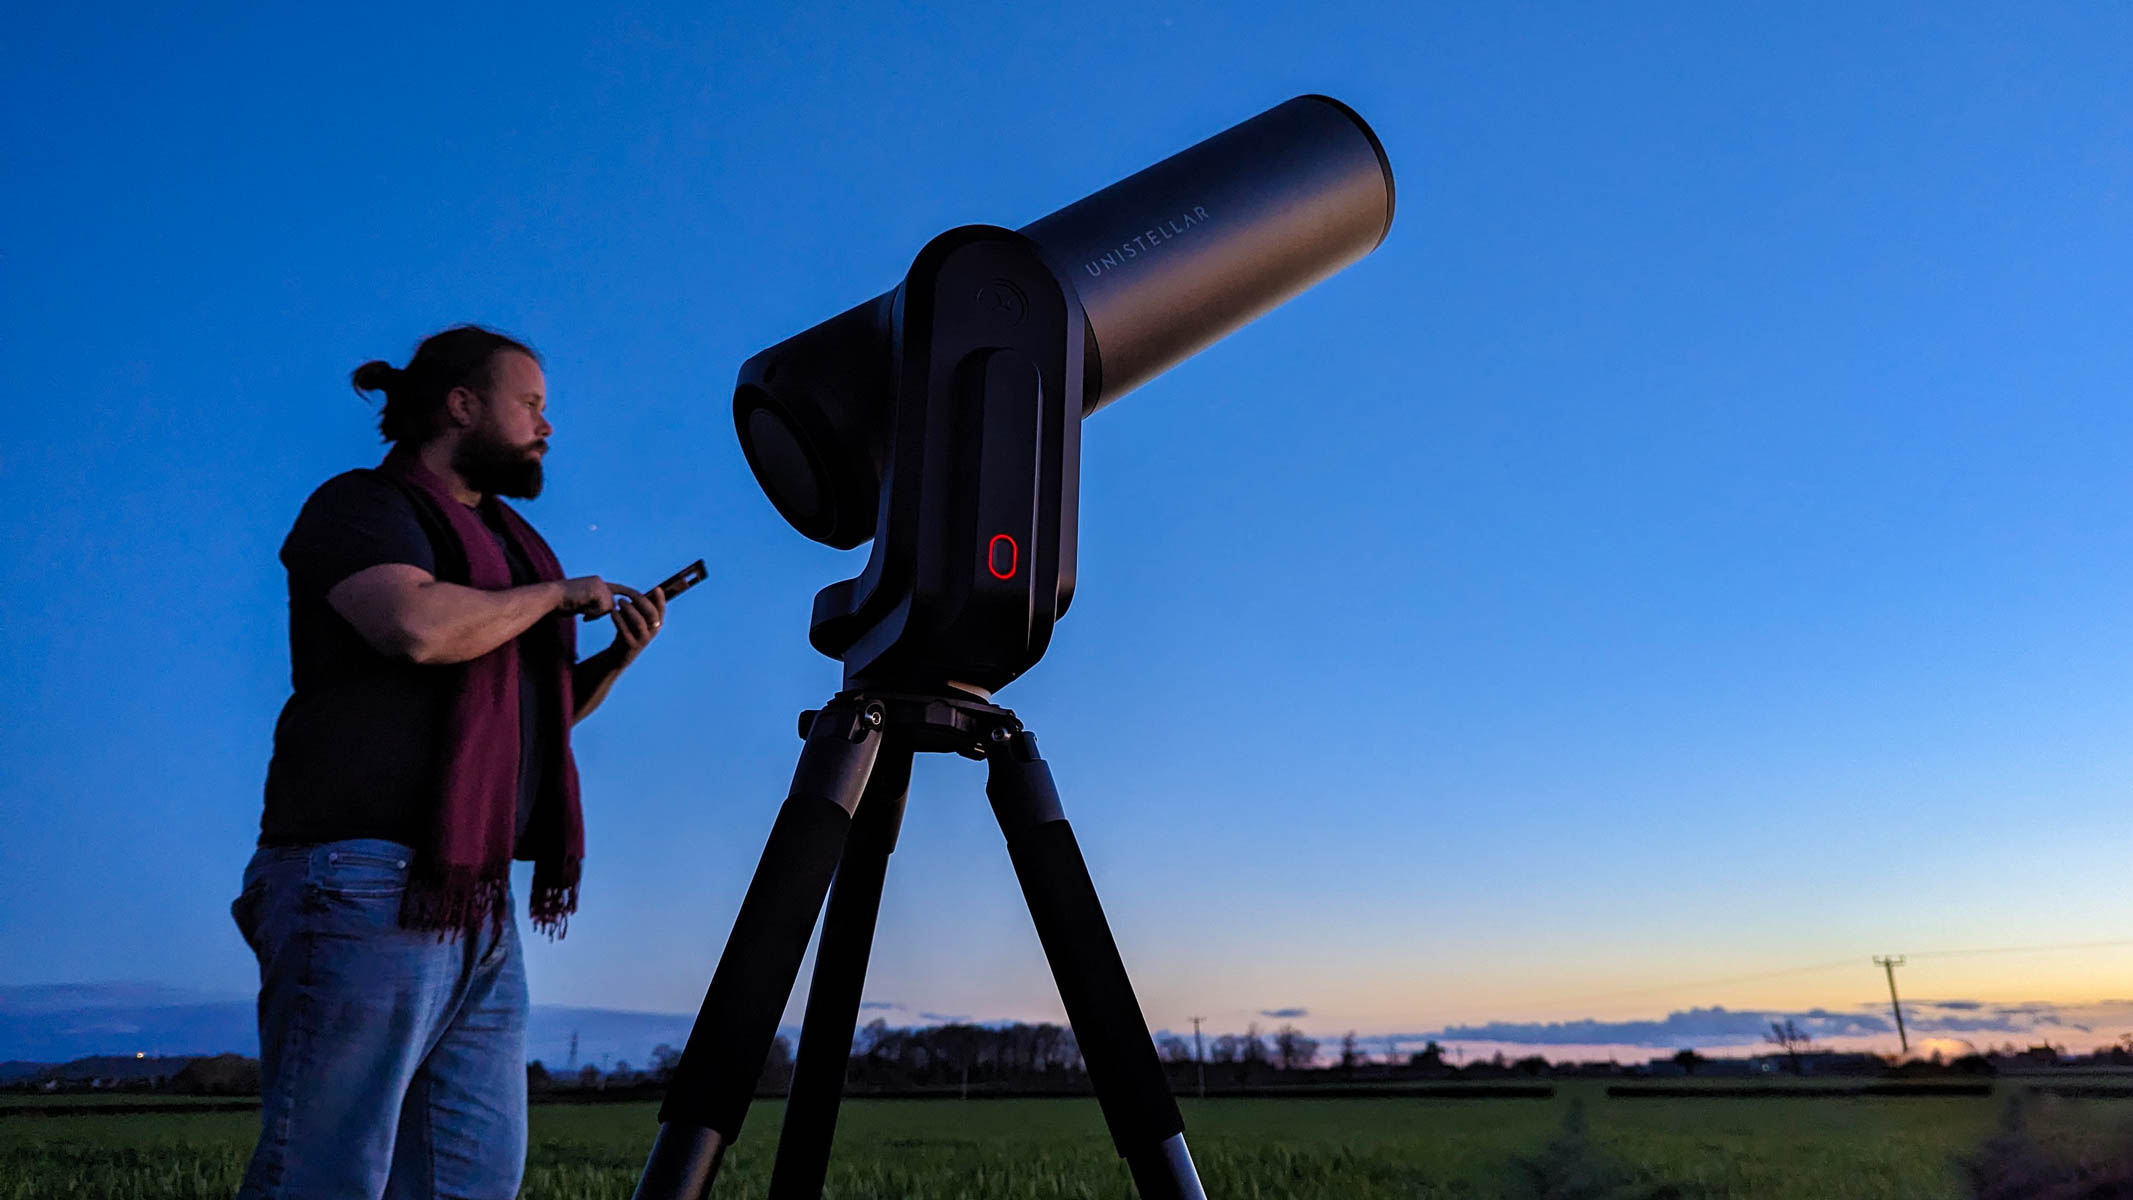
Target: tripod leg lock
[828, 767]
[1019, 784]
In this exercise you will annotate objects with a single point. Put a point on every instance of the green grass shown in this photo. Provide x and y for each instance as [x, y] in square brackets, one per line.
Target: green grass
[106, 1099]
[1869, 1149]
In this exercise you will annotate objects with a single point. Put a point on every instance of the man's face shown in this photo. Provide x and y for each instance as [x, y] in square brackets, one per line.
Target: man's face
[501, 452]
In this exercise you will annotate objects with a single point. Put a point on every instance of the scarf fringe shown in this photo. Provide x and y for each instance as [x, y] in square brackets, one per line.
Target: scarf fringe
[555, 896]
[463, 901]
[460, 902]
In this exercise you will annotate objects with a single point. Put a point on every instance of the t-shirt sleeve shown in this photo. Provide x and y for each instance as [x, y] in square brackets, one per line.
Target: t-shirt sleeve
[352, 522]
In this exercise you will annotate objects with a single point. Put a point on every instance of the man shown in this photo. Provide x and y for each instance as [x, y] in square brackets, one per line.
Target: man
[426, 745]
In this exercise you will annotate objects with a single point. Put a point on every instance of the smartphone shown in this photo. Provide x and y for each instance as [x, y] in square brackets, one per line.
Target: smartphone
[673, 585]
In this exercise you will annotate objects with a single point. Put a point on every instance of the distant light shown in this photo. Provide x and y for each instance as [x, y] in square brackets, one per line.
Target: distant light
[140, 1054]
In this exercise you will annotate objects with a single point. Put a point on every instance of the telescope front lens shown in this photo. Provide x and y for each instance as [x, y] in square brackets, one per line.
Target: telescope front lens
[784, 467]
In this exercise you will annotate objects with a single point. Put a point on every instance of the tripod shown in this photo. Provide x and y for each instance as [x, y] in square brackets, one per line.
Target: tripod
[840, 821]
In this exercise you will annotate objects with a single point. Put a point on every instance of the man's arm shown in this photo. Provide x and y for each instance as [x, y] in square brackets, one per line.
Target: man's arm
[406, 612]
[635, 626]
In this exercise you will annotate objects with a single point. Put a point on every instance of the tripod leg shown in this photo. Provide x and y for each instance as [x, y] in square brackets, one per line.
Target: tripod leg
[1144, 1120]
[840, 975]
[708, 1096]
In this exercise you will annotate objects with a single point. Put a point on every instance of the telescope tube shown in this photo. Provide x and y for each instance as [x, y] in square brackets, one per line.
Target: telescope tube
[1173, 259]
[1165, 262]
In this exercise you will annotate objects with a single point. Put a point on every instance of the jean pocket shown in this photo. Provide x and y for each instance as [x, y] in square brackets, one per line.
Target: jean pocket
[361, 873]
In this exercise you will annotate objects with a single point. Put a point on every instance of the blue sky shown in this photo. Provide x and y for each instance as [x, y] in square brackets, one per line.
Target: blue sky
[1693, 546]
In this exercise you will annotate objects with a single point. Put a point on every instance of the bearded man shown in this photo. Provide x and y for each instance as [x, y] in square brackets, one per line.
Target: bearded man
[432, 639]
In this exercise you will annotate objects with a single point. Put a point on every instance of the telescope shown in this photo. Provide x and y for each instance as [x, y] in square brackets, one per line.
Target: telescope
[1087, 304]
[942, 420]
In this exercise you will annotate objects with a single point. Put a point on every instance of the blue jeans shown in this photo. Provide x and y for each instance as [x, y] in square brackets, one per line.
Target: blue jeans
[392, 1064]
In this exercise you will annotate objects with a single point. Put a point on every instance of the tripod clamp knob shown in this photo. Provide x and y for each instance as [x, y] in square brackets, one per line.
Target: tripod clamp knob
[864, 722]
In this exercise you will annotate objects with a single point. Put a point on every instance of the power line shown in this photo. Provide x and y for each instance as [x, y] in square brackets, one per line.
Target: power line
[2023, 949]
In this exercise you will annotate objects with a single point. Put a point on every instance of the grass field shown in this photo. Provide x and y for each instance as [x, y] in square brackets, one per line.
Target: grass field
[122, 1100]
[1246, 1149]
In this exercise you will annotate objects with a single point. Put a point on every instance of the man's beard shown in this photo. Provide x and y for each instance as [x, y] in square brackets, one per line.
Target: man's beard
[496, 468]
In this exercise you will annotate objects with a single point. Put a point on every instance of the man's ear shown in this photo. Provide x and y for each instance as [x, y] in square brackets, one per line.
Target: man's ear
[459, 406]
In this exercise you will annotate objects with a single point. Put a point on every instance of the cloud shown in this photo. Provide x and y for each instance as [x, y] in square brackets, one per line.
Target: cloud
[1697, 1027]
[879, 1006]
[1284, 1014]
[1981, 1024]
[943, 1018]
[1978, 1017]
[1719, 1026]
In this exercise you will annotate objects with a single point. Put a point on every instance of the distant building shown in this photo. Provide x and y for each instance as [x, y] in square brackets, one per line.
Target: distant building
[1670, 1067]
[1822, 1062]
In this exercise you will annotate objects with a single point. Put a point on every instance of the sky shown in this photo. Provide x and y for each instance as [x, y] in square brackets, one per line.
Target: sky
[1687, 558]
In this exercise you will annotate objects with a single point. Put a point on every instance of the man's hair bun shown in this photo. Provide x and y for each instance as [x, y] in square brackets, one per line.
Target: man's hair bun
[463, 356]
[376, 375]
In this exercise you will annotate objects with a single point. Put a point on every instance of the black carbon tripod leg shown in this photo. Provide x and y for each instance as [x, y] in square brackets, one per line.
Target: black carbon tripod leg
[840, 975]
[708, 1096]
[1138, 1107]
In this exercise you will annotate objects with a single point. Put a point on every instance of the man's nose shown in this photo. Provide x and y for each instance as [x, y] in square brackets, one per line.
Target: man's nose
[542, 428]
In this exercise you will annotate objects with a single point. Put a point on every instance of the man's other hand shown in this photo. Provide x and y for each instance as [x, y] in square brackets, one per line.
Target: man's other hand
[638, 622]
[592, 596]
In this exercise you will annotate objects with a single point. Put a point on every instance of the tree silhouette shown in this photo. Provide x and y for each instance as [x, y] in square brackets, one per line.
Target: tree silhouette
[1292, 1049]
[1791, 1039]
[664, 1059]
[1430, 1057]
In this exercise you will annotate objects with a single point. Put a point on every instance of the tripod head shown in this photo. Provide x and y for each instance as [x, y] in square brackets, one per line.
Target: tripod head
[943, 418]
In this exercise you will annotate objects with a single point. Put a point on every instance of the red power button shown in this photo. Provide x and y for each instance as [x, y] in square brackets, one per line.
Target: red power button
[1001, 556]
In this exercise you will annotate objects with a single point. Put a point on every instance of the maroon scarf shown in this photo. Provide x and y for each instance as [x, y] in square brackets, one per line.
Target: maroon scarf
[461, 878]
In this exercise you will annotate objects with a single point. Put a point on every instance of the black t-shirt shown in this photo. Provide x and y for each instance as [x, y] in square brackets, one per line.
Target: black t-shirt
[357, 751]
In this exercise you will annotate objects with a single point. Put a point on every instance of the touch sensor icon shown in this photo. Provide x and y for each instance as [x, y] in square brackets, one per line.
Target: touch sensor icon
[1002, 556]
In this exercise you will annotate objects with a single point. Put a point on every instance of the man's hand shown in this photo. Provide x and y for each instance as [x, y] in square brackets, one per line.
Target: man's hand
[638, 622]
[593, 596]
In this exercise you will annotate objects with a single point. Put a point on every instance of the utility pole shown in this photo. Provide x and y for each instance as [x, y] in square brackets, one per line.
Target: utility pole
[573, 1065]
[1889, 964]
[1199, 1060]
